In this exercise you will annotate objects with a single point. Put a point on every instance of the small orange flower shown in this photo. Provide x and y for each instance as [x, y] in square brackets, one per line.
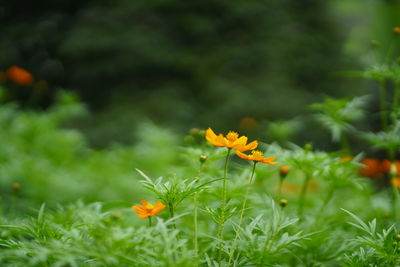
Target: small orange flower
[372, 168]
[396, 182]
[396, 30]
[248, 124]
[231, 140]
[147, 209]
[19, 76]
[257, 156]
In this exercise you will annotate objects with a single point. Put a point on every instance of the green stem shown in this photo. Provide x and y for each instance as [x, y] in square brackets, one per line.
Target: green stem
[280, 188]
[195, 225]
[196, 245]
[325, 203]
[303, 195]
[242, 212]
[389, 51]
[382, 100]
[149, 221]
[171, 213]
[344, 141]
[223, 207]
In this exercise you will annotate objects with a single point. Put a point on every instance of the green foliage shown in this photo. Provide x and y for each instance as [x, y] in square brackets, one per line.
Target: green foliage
[102, 230]
[46, 159]
[374, 248]
[338, 114]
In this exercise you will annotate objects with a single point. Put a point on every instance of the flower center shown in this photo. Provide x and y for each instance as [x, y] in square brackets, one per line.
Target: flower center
[257, 154]
[232, 136]
[149, 207]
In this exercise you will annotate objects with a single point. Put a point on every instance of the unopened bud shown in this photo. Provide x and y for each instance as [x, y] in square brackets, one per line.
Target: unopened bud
[396, 237]
[203, 158]
[283, 203]
[308, 147]
[283, 171]
[193, 131]
[16, 186]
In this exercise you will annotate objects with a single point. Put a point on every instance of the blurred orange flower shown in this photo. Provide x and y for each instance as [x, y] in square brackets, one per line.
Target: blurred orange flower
[19, 76]
[257, 156]
[231, 140]
[147, 209]
[387, 167]
[396, 30]
[248, 123]
[371, 169]
[396, 182]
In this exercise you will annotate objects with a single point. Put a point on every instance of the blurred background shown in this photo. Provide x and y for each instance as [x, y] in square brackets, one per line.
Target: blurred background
[251, 66]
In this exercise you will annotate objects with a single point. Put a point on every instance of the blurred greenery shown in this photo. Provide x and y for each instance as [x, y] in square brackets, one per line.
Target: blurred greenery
[187, 64]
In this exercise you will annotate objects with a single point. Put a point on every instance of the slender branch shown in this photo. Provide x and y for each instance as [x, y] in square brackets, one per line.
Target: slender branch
[242, 212]
[303, 195]
[223, 207]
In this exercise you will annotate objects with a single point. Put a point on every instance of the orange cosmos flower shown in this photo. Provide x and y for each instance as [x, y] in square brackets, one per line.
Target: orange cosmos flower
[19, 76]
[371, 169]
[148, 210]
[231, 140]
[257, 156]
[395, 182]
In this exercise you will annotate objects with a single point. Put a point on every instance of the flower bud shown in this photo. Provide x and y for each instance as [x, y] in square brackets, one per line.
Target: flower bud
[308, 147]
[283, 203]
[396, 237]
[283, 171]
[203, 158]
[193, 131]
[16, 186]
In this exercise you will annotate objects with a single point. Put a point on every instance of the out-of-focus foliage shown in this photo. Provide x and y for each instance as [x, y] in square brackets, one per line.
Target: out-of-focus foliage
[46, 160]
[173, 60]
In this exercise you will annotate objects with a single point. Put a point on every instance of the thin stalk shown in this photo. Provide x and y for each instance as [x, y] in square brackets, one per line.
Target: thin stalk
[389, 51]
[325, 203]
[242, 212]
[171, 213]
[223, 207]
[280, 188]
[344, 142]
[149, 221]
[196, 245]
[303, 195]
[382, 100]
